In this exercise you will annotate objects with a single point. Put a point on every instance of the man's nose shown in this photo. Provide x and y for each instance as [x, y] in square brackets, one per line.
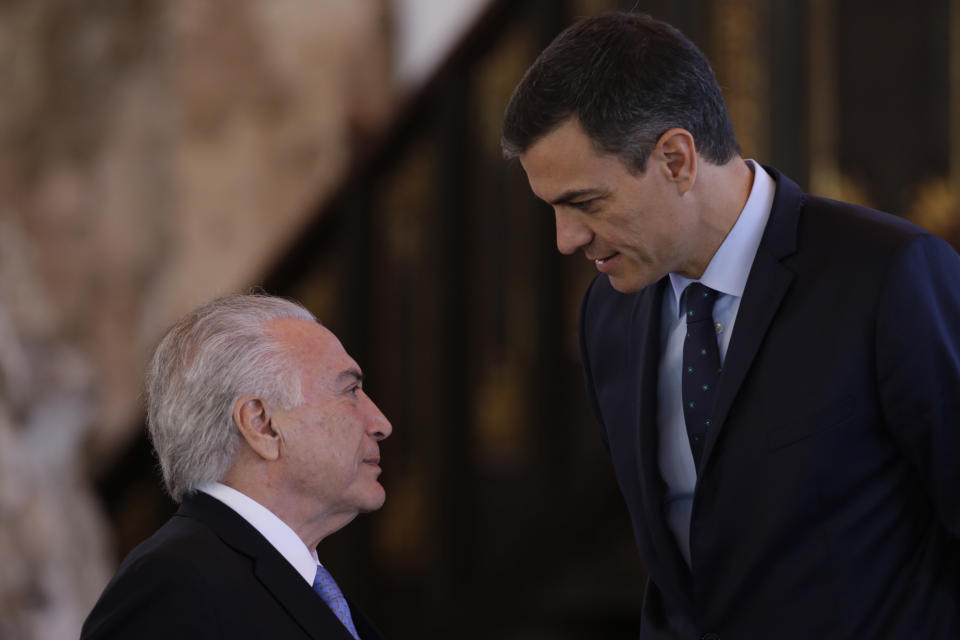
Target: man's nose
[571, 232]
[378, 426]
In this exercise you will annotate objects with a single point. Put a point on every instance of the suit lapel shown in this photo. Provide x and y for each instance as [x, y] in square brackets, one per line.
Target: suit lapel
[673, 577]
[300, 601]
[767, 284]
[269, 566]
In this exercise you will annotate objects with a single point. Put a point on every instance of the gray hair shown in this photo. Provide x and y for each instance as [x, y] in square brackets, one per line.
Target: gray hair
[207, 360]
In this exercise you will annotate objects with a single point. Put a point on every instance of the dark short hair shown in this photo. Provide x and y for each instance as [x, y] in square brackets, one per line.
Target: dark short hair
[628, 79]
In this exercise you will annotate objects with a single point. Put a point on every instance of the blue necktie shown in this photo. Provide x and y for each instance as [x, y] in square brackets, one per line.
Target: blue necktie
[701, 366]
[327, 588]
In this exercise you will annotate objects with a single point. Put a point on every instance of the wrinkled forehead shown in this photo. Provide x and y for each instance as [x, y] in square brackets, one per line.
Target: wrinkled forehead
[313, 348]
[564, 160]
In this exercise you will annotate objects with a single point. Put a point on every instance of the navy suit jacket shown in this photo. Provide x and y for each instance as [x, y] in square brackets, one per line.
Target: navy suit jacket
[207, 573]
[827, 503]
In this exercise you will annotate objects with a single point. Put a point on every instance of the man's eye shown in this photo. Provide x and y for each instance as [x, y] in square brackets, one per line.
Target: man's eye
[583, 205]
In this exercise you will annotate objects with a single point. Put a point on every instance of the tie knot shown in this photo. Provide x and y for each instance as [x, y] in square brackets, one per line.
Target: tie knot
[700, 301]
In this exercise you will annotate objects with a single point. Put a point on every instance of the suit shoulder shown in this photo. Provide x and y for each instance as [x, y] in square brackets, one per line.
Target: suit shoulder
[856, 239]
[181, 544]
[846, 219]
[161, 586]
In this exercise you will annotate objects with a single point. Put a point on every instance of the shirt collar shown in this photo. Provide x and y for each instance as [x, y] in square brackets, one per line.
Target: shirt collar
[277, 532]
[729, 268]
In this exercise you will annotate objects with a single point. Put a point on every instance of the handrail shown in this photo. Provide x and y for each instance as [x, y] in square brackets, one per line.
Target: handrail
[328, 214]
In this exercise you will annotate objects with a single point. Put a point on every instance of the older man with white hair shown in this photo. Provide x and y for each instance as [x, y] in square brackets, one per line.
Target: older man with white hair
[269, 443]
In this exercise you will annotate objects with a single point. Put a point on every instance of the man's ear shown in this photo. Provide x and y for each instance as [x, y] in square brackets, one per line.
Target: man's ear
[254, 422]
[678, 152]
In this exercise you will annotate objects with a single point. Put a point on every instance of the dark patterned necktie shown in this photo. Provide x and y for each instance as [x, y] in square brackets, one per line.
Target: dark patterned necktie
[327, 588]
[701, 366]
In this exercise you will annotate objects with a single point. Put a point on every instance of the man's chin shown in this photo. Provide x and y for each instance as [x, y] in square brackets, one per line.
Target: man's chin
[374, 499]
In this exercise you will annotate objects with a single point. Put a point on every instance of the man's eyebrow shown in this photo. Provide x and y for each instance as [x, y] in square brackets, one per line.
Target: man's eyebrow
[575, 194]
[350, 375]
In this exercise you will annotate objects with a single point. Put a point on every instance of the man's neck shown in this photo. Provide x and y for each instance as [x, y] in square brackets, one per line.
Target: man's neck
[722, 192]
[310, 523]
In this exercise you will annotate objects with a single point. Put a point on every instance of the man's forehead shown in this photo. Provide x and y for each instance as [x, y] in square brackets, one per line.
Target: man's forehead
[300, 330]
[311, 342]
[323, 364]
[564, 162]
[567, 136]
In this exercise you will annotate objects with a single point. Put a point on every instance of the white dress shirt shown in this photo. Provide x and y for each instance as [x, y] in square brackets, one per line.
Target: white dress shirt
[277, 532]
[727, 274]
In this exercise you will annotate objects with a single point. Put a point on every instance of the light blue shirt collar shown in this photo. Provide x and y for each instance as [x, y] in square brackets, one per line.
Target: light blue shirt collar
[730, 266]
[277, 532]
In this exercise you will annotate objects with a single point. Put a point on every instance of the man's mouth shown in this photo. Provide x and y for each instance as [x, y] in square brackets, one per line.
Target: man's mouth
[607, 263]
[600, 261]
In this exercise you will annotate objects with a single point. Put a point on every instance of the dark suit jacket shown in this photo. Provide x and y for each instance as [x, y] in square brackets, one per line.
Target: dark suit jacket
[828, 497]
[207, 573]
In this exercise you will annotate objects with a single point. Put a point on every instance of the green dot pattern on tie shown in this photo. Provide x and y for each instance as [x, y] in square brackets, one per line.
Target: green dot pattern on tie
[699, 383]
